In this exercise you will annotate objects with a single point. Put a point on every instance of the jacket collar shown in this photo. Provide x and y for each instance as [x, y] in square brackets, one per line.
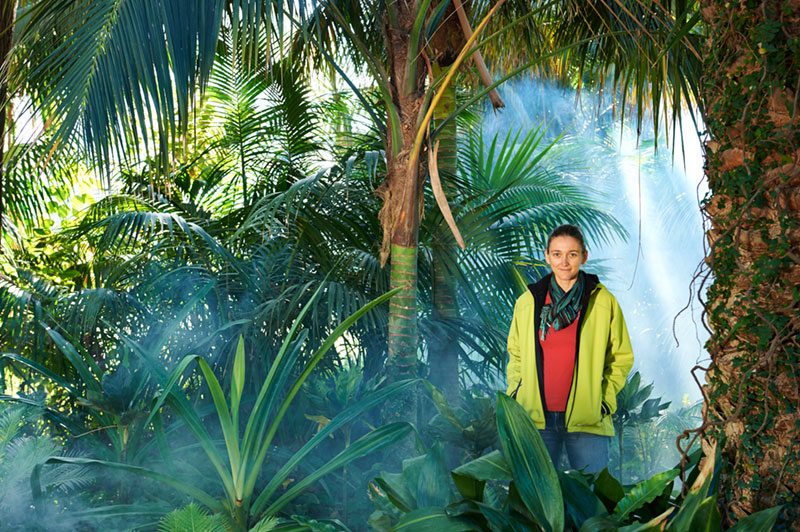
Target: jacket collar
[539, 288]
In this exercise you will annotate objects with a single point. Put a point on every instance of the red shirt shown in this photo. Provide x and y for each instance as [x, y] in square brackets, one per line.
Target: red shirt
[558, 349]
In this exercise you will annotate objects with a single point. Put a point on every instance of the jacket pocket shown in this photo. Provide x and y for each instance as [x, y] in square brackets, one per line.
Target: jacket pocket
[587, 413]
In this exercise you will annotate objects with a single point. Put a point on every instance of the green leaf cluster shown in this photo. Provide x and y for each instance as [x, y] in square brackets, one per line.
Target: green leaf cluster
[518, 489]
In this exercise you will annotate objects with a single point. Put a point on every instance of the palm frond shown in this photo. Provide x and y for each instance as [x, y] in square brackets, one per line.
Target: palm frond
[644, 56]
[119, 67]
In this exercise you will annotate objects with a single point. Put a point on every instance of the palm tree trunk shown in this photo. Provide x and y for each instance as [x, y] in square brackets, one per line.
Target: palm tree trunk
[750, 95]
[7, 12]
[444, 348]
[400, 214]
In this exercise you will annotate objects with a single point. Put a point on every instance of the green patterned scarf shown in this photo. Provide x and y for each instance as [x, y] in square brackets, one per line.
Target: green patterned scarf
[563, 307]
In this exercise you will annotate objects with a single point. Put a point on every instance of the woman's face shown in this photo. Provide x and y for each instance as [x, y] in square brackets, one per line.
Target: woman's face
[565, 257]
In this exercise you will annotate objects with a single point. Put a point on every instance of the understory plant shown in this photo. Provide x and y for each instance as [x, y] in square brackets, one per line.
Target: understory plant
[518, 489]
[246, 426]
[22, 446]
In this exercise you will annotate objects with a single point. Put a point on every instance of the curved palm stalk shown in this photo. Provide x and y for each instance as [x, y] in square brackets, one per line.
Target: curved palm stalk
[444, 349]
[442, 85]
[477, 58]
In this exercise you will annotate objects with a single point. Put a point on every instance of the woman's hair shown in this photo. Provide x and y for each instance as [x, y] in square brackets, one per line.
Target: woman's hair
[567, 230]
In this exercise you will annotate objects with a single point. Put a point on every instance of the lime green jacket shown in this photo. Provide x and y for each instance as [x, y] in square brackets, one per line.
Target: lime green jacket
[603, 359]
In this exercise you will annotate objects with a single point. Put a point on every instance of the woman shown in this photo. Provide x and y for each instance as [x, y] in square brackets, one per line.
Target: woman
[569, 355]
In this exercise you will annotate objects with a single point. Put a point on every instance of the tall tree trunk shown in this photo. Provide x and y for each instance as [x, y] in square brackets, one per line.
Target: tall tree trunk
[400, 214]
[750, 95]
[444, 348]
[7, 12]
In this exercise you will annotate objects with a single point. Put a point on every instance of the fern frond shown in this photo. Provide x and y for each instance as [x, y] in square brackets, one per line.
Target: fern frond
[191, 518]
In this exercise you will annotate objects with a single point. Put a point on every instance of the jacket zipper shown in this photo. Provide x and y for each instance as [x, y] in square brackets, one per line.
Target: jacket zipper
[584, 307]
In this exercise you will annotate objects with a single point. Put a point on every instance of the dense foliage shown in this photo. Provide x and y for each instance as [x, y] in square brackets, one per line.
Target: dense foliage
[751, 92]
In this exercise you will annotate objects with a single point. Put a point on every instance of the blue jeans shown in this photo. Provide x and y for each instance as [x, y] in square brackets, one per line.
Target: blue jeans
[585, 451]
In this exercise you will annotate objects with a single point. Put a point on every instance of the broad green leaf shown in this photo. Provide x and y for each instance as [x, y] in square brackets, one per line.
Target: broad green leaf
[694, 500]
[599, 524]
[580, 501]
[432, 520]
[608, 489]
[526, 454]
[639, 527]
[433, 485]
[229, 432]
[470, 478]
[762, 521]
[500, 521]
[492, 466]
[412, 469]
[380, 521]
[468, 487]
[440, 401]
[707, 517]
[396, 488]
[644, 492]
